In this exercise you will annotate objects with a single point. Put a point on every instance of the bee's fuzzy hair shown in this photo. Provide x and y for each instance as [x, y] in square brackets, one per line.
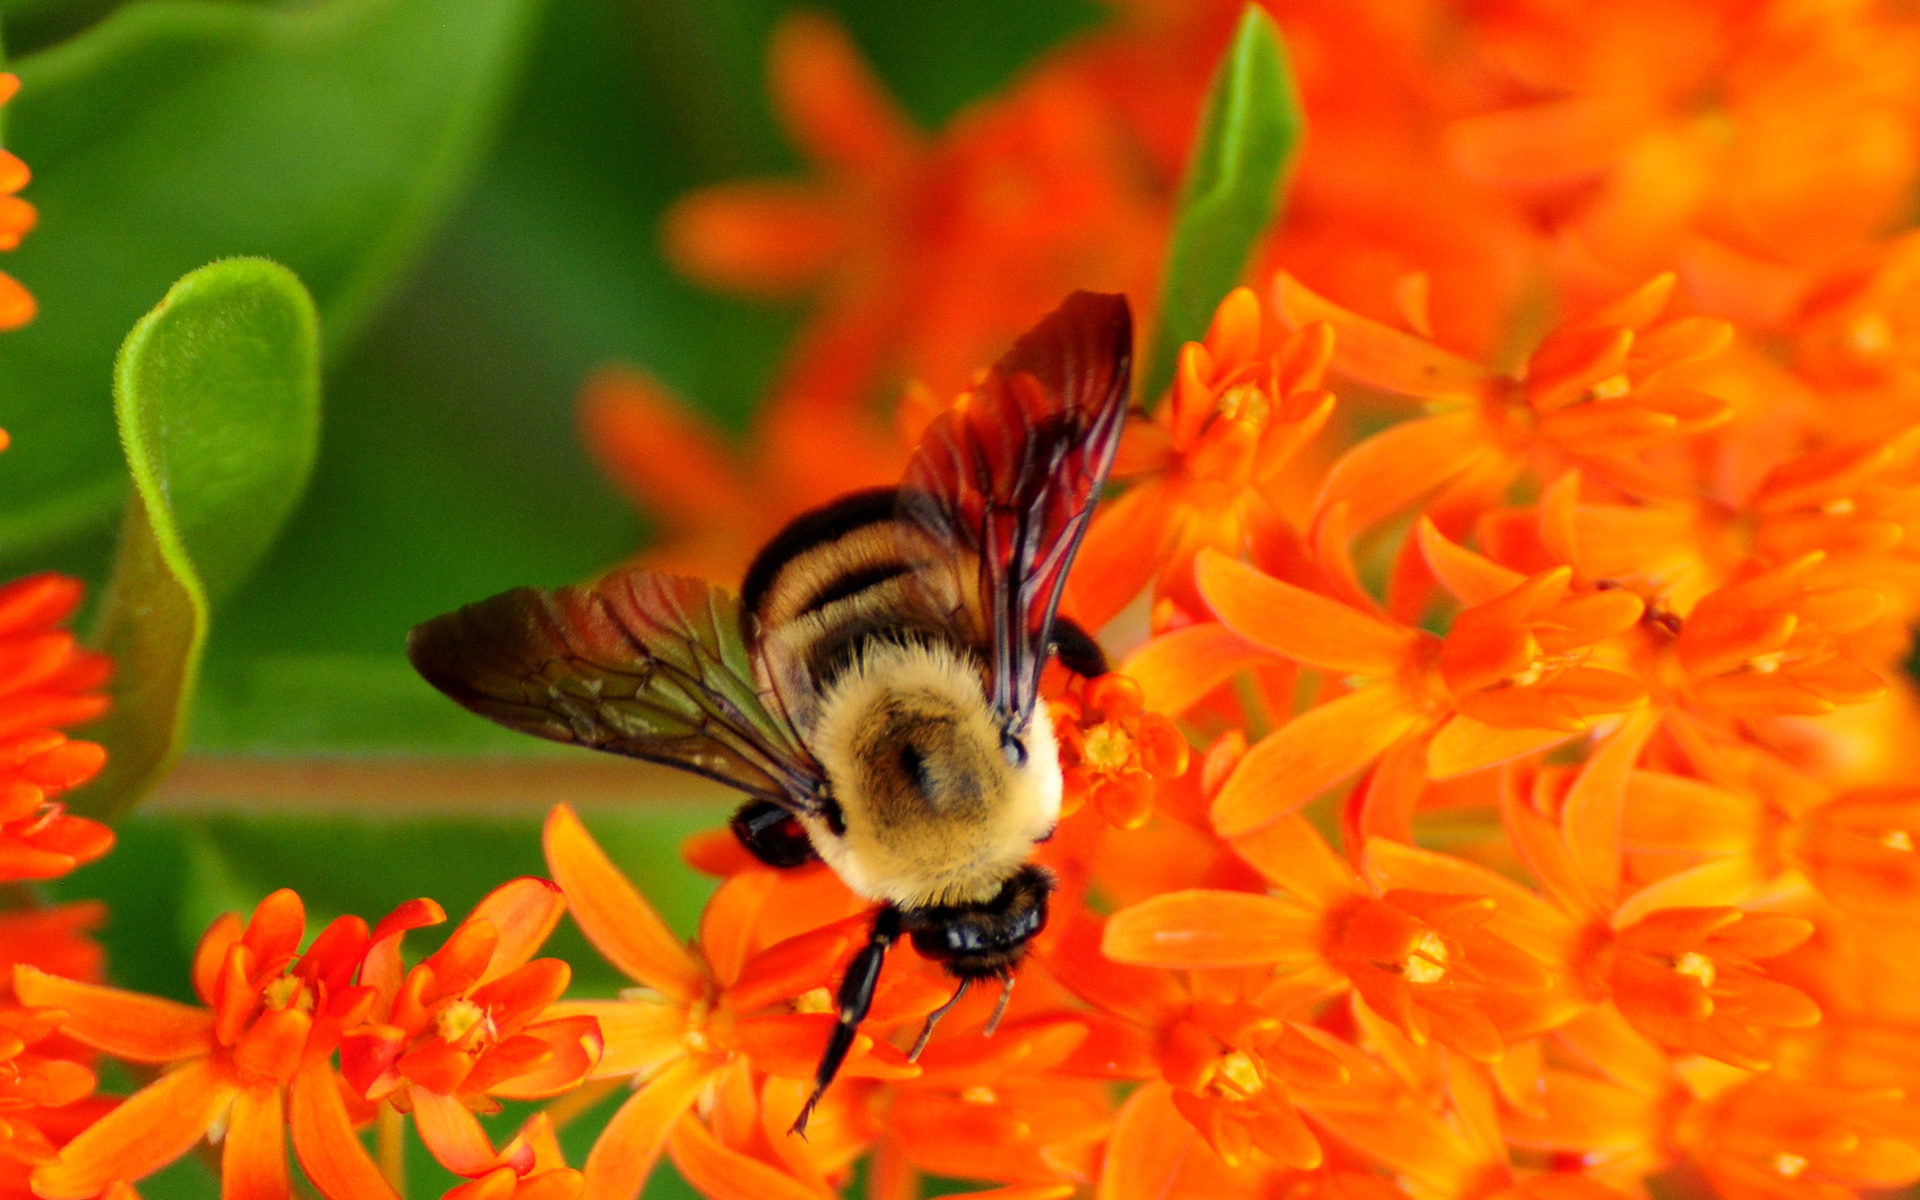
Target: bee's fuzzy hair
[956, 856]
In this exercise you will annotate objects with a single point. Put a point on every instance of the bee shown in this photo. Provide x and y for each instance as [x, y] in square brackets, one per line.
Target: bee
[874, 689]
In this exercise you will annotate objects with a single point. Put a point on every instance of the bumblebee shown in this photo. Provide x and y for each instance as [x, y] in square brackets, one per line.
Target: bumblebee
[874, 688]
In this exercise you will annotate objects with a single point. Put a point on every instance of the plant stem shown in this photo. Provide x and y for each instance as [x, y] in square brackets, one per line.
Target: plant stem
[391, 1147]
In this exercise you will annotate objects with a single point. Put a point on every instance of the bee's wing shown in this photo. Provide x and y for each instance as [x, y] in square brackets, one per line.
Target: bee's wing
[642, 664]
[1005, 485]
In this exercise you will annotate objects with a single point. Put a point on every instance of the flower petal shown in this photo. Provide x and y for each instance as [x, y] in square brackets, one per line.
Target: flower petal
[1182, 665]
[1299, 624]
[612, 913]
[155, 1125]
[1201, 928]
[126, 1025]
[1594, 813]
[1291, 853]
[1472, 578]
[452, 1134]
[722, 1174]
[1155, 1154]
[1721, 881]
[1374, 353]
[523, 911]
[1310, 754]
[253, 1165]
[639, 1036]
[624, 1155]
[323, 1139]
[1464, 745]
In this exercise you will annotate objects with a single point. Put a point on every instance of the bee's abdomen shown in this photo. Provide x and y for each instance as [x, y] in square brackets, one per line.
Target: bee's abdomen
[768, 592]
[829, 585]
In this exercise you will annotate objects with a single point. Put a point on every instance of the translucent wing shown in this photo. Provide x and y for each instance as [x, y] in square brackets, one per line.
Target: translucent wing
[647, 665]
[1004, 486]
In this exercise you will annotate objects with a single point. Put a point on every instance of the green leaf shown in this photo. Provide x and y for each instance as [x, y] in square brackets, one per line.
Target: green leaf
[217, 393]
[1249, 134]
[328, 136]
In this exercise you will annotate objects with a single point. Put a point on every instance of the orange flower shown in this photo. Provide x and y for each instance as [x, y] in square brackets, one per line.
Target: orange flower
[470, 1023]
[1857, 338]
[1112, 750]
[1420, 959]
[45, 680]
[1597, 391]
[927, 258]
[1677, 956]
[17, 217]
[1509, 678]
[1237, 1065]
[1765, 646]
[698, 1014]
[31, 1083]
[1788, 1139]
[253, 1062]
[1207, 468]
[1859, 850]
[1738, 141]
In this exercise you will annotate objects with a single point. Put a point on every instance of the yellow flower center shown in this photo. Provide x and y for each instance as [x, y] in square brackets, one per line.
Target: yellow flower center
[1244, 400]
[1428, 962]
[1697, 965]
[1240, 1073]
[978, 1094]
[461, 1020]
[1108, 746]
[819, 1000]
[696, 1031]
[1767, 664]
[1897, 839]
[287, 990]
[1789, 1165]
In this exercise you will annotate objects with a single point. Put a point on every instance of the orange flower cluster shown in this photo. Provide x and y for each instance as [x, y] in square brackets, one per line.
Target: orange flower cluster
[1528, 552]
[46, 1082]
[1525, 559]
[458, 1032]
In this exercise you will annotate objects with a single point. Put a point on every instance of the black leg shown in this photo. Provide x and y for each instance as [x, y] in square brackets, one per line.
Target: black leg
[856, 997]
[1076, 649]
[771, 834]
[933, 1018]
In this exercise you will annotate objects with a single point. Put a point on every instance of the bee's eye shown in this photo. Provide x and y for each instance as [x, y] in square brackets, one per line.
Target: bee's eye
[1014, 748]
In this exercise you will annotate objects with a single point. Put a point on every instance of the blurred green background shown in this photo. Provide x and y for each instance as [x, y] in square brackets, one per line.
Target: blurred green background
[471, 190]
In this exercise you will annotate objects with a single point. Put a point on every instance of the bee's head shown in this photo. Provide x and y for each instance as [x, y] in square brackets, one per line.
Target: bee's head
[940, 802]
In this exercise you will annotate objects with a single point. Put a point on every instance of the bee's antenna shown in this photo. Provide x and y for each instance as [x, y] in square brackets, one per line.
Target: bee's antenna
[933, 1018]
[856, 997]
[1000, 1009]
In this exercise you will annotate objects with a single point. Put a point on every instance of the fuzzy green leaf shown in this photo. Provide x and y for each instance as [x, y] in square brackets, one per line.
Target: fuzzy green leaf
[217, 394]
[1249, 135]
[330, 136]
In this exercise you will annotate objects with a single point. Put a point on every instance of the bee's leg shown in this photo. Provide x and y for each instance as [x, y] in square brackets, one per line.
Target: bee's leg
[1000, 1009]
[933, 1018]
[1076, 649]
[772, 835]
[856, 997]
